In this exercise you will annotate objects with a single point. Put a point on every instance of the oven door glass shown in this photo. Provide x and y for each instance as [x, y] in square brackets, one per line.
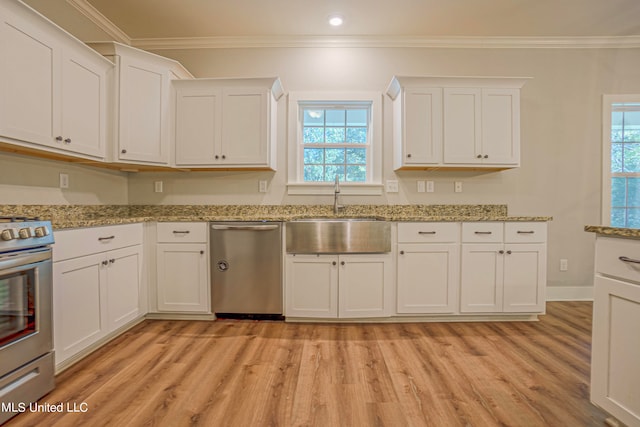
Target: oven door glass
[17, 306]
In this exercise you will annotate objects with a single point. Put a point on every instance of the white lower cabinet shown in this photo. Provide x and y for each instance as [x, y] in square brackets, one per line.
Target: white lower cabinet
[503, 268]
[339, 286]
[615, 371]
[95, 292]
[182, 256]
[428, 268]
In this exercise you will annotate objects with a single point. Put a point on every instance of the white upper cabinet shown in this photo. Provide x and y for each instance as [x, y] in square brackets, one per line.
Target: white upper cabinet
[226, 123]
[53, 89]
[143, 104]
[456, 122]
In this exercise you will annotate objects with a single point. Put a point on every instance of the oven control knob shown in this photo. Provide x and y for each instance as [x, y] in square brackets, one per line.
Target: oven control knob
[25, 233]
[8, 234]
[41, 231]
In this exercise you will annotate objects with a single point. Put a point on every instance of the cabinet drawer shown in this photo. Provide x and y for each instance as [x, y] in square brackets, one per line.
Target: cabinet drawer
[182, 232]
[87, 241]
[525, 232]
[482, 232]
[428, 232]
[609, 250]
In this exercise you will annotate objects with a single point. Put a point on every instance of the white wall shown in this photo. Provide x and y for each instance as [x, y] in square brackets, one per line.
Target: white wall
[561, 132]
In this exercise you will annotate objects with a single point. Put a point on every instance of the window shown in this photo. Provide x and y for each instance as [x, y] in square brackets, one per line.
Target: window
[335, 135]
[621, 198]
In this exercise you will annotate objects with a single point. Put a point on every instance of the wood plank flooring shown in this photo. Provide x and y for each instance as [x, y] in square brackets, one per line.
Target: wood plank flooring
[247, 373]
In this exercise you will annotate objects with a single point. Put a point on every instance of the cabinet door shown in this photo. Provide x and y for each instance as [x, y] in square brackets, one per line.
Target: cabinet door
[245, 126]
[525, 278]
[123, 285]
[462, 126]
[615, 371]
[198, 127]
[29, 91]
[79, 304]
[428, 278]
[83, 104]
[143, 118]
[501, 126]
[312, 286]
[182, 279]
[481, 278]
[365, 285]
[422, 127]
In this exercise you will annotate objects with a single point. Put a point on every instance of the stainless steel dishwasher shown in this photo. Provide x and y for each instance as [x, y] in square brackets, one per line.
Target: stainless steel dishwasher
[246, 269]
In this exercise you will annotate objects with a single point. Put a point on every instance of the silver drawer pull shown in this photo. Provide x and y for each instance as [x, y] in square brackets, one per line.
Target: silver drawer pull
[426, 232]
[181, 232]
[484, 232]
[102, 239]
[631, 260]
[525, 232]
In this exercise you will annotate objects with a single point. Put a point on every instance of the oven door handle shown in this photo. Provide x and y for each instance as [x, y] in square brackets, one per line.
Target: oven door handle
[15, 261]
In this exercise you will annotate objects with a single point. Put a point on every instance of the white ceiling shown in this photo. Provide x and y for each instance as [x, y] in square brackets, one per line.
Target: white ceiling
[167, 21]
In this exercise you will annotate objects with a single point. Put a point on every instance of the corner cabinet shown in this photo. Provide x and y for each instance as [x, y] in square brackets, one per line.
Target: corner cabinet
[143, 103]
[53, 88]
[339, 286]
[226, 123]
[456, 122]
[615, 371]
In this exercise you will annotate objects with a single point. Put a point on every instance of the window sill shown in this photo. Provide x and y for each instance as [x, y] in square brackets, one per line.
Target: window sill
[325, 188]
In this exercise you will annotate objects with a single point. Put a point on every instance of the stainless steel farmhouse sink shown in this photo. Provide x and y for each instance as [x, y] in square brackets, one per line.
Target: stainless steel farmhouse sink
[338, 235]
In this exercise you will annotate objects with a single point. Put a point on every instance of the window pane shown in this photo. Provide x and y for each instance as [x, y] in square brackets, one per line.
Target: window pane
[616, 157]
[313, 156]
[357, 135]
[313, 135]
[334, 155]
[356, 173]
[633, 192]
[616, 126]
[356, 117]
[617, 217]
[313, 117]
[313, 173]
[357, 156]
[332, 170]
[335, 117]
[618, 191]
[631, 125]
[631, 157]
[633, 218]
[334, 135]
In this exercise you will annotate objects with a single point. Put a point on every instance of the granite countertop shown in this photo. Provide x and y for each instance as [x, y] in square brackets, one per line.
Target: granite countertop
[613, 231]
[78, 216]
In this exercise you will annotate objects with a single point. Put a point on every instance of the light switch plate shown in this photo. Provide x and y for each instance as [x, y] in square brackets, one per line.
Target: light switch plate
[392, 186]
[157, 186]
[64, 180]
[262, 186]
[431, 187]
[421, 187]
[457, 187]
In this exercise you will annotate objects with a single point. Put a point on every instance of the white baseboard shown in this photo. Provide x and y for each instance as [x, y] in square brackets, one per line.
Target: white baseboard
[570, 293]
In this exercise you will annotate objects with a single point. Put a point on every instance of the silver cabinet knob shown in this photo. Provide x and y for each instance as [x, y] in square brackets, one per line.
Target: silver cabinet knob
[486, 156]
[67, 141]
[59, 138]
[123, 151]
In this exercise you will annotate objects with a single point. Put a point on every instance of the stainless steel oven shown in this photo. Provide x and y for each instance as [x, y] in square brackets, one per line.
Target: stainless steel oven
[26, 330]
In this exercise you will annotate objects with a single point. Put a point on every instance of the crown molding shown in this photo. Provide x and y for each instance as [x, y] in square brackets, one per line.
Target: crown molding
[390, 42]
[100, 20]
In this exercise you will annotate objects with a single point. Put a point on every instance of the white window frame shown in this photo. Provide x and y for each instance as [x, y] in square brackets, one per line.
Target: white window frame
[296, 184]
[607, 102]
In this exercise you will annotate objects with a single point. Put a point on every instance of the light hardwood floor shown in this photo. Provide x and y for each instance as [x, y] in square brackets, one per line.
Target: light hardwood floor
[247, 373]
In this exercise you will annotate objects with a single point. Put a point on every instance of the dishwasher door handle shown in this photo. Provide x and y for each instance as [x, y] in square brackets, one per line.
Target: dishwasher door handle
[245, 227]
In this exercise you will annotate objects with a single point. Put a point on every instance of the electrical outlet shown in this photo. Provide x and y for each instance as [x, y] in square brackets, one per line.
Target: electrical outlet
[262, 187]
[431, 187]
[564, 264]
[392, 186]
[421, 187]
[457, 187]
[157, 186]
[64, 180]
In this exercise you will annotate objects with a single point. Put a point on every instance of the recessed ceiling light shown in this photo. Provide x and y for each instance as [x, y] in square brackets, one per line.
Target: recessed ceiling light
[335, 20]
